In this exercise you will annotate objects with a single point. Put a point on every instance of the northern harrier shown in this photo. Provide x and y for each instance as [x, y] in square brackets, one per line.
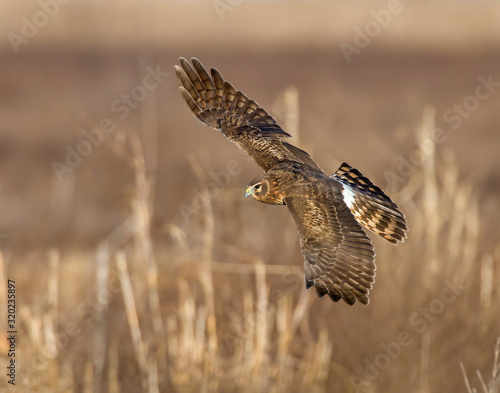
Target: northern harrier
[338, 256]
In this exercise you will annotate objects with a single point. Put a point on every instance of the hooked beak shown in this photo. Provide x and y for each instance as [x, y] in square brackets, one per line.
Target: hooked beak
[249, 192]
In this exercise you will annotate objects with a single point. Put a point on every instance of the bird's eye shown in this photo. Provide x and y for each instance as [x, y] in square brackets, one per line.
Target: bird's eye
[257, 187]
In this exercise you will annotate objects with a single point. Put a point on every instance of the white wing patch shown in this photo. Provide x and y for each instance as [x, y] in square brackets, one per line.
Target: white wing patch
[370, 206]
[349, 196]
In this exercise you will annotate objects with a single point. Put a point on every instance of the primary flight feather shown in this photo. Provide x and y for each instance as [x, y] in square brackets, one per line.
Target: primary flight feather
[339, 260]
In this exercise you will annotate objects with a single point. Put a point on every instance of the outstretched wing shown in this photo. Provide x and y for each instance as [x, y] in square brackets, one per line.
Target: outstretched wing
[216, 103]
[370, 206]
[338, 256]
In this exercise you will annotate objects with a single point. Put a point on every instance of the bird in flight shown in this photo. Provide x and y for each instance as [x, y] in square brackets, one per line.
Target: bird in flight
[328, 211]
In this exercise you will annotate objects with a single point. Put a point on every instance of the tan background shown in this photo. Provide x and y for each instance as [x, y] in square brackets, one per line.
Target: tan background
[368, 113]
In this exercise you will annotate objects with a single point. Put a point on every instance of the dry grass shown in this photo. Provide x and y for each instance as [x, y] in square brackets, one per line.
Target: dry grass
[213, 317]
[118, 292]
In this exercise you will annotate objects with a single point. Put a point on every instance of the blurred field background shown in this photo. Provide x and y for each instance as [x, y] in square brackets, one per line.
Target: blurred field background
[130, 279]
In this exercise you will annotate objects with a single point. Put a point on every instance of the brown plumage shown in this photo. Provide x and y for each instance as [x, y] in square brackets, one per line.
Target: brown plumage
[339, 260]
[370, 206]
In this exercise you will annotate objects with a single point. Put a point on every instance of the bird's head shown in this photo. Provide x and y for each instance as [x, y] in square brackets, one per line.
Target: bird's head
[262, 190]
[257, 189]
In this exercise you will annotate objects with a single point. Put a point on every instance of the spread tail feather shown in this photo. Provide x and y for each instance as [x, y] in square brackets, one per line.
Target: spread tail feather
[370, 206]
